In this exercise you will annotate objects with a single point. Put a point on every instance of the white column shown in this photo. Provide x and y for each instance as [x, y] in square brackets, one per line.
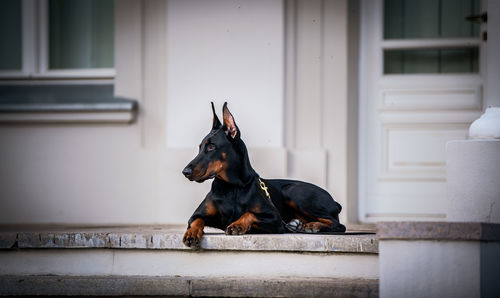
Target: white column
[473, 172]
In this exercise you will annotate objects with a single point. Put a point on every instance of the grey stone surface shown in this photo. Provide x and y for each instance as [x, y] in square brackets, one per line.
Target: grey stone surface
[93, 285]
[186, 286]
[170, 237]
[8, 240]
[284, 287]
[412, 230]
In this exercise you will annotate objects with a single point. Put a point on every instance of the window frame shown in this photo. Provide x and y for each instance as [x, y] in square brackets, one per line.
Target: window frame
[431, 43]
[35, 49]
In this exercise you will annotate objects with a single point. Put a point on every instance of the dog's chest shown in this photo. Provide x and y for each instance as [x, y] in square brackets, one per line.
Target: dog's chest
[233, 204]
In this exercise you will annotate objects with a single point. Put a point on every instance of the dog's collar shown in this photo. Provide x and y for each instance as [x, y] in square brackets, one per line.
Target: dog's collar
[264, 188]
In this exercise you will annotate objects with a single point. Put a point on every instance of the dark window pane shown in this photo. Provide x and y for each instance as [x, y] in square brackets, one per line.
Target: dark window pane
[406, 19]
[459, 60]
[81, 34]
[10, 35]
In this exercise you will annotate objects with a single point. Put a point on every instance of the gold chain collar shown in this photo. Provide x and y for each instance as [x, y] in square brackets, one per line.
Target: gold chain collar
[264, 188]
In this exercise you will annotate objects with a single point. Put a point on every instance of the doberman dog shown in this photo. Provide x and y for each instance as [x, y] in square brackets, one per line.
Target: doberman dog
[241, 202]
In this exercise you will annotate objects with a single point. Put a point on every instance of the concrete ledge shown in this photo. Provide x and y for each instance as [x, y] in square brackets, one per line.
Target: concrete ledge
[170, 238]
[459, 231]
[187, 286]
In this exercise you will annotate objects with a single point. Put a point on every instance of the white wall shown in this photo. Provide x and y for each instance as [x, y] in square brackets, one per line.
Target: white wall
[225, 51]
[174, 57]
[430, 268]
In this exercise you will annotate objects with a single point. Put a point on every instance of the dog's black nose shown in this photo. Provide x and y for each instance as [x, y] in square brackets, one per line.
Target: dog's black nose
[188, 171]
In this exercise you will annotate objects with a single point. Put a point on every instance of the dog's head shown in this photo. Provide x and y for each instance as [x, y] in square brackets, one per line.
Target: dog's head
[216, 150]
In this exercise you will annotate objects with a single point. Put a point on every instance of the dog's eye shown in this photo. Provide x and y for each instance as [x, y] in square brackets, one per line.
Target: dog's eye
[210, 147]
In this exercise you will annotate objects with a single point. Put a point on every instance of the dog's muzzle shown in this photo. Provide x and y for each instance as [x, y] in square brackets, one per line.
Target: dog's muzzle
[188, 172]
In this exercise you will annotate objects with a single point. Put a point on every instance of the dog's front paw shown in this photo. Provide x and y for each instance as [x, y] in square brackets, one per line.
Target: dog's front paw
[192, 237]
[237, 228]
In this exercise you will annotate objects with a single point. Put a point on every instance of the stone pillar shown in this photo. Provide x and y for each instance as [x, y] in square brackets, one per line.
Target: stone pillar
[461, 257]
[473, 172]
[473, 180]
[439, 259]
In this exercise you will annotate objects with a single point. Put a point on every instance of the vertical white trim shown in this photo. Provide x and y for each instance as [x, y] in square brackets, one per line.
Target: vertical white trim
[334, 98]
[154, 73]
[316, 100]
[308, 72]
[29, 46]
[492, 49]
[43, 37]
[322, 69]
[352, 176]
[365, 65]
[290, 72]
[370, 70]
[361, 111]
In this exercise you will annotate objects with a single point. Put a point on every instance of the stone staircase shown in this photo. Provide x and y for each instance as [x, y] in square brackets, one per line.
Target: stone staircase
[151, 260]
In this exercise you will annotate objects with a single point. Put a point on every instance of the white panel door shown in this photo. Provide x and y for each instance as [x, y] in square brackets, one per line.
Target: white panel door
[420, 86]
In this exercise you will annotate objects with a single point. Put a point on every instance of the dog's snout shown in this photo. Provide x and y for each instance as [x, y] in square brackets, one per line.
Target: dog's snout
[188, 171]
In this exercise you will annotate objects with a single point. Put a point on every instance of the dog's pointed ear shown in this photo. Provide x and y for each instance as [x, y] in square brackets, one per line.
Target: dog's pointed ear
[229, 126]
[215, 121]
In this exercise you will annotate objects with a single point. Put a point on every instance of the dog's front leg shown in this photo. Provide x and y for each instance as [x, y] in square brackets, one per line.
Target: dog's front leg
[194, 233]
[206, 214]
[247, 221]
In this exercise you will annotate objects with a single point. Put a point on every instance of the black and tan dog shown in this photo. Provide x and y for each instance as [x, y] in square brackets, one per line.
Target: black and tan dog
[241, 202]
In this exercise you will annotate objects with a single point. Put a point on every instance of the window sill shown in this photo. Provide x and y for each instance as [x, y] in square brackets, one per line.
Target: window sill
[64, 104]
[116, 110]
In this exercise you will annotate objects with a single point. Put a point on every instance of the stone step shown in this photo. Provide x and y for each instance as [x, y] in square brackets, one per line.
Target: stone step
[225, 265]
[186, 286]
[169, 237]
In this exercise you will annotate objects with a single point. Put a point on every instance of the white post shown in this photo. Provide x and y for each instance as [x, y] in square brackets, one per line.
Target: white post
[473, 172]
[461, 257]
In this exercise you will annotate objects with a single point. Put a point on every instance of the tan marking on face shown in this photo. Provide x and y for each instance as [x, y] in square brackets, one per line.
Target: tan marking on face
[210, 209]
[224, 155]
[215, 167]
[219, 168]
[197, 171]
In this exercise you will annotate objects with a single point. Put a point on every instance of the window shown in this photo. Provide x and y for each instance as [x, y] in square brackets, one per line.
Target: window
[430, 36]
[10, 35]
[57, 39]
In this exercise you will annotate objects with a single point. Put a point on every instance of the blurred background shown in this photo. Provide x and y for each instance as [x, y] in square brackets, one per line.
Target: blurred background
[102, 103]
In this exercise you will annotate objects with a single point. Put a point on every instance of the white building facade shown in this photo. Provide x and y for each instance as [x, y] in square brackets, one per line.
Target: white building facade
[316, 88]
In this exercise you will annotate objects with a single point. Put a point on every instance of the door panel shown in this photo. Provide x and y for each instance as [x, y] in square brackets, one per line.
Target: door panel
[420, 86]
[427, 99]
